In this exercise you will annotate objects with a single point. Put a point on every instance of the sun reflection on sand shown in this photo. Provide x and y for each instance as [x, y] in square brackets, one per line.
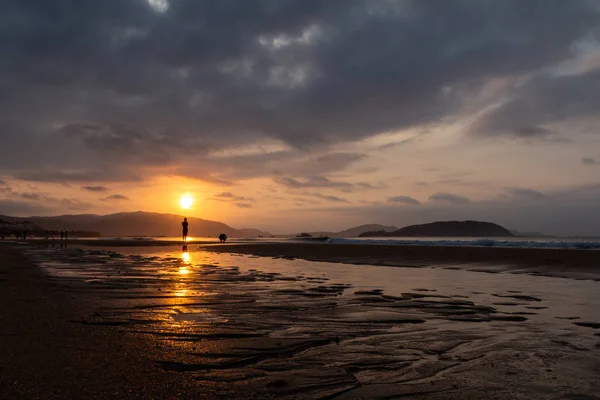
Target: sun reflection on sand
[181, 292]
[185, 256]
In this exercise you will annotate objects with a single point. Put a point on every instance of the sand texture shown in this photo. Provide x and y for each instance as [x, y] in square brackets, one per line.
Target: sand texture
[100, 323]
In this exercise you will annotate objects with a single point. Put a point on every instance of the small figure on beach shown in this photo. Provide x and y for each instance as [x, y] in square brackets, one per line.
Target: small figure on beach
[62, 235]
[222, 237]
[65, 235]
[185, 224]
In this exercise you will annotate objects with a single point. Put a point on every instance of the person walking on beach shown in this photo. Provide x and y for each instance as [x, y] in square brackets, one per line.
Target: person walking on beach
[184, 224]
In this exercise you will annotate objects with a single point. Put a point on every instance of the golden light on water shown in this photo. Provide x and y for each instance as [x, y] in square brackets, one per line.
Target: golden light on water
[185, 256]
[186, 202]
[181, 292]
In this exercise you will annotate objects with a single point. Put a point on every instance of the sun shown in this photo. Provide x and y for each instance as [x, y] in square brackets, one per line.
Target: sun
[186, 202]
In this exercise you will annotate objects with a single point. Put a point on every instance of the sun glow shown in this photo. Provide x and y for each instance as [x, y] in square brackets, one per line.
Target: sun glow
[186, 202]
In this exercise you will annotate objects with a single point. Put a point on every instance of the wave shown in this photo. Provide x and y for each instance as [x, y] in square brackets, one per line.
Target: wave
[588, 245]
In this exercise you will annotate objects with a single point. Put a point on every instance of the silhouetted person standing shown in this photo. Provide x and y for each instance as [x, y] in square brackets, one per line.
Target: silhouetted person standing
[65, 235]
[184, 224]
[62, 235]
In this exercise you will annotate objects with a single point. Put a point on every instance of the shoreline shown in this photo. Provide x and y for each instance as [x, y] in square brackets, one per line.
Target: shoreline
[555, 262]
[107, 243]
[564, 263]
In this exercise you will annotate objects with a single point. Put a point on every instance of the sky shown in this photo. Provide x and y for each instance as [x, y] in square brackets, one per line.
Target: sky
[290, 115]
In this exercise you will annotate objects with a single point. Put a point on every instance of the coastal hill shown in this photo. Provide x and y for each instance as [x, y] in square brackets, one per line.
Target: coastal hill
[137, 224]
[447, 229]
[356, 231]
[352, 232]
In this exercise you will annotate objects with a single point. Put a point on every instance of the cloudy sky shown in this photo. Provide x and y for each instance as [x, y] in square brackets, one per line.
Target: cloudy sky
[304, 114]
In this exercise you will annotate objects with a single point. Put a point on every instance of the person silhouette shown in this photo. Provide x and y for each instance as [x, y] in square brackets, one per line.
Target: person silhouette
[184, 224]
[222, 237]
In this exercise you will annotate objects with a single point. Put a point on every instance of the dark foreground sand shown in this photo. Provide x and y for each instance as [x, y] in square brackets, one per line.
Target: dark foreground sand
[95, 323]
[571, 263]
[46, 354]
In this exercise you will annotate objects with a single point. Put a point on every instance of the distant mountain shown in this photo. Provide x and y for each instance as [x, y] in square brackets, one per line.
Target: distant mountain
[447, 229]
[138, 224]
[351, 232]
[356, 231]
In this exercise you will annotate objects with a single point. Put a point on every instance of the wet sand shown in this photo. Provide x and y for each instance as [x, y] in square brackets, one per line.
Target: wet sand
[570, 263]
[217, 324]
[47, 353]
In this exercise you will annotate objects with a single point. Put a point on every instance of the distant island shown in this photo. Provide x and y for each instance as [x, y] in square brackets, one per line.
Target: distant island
[446, 229]
[347, 233]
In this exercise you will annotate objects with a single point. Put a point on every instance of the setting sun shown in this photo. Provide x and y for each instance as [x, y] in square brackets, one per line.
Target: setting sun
[186, 202]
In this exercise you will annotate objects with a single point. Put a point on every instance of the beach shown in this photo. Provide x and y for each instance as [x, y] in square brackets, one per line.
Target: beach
[297, 321]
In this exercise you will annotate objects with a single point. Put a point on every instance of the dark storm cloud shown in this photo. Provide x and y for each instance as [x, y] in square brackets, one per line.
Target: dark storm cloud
[404, 200]
[281, 163]
[544, 100]
[589, 161]
[121, 84]
[95, 188]
[449, 198]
